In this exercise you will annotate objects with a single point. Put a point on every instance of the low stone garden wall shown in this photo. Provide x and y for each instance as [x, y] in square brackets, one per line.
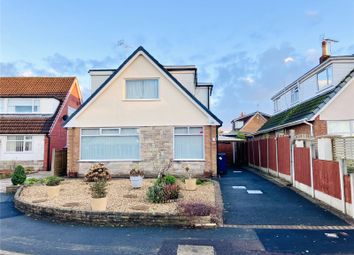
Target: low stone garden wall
[119, 219]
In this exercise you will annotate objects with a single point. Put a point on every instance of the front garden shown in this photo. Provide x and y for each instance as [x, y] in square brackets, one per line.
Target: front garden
[99, 199]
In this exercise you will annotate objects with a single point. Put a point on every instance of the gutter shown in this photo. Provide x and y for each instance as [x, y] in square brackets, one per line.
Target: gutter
[281, 126]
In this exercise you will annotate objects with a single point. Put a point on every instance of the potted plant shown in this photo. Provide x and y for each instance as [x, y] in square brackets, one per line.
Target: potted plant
[53, 186]
[190, 183]
[17, 179]
[99, 195]
[136, 177]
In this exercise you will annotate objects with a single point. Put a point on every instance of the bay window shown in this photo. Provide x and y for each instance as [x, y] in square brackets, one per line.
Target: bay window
[142, 89]
[110, 144]
[188, 143]
[18, 143]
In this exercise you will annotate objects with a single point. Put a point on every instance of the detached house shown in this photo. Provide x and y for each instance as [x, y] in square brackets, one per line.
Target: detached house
[144, 113]
[32, 111]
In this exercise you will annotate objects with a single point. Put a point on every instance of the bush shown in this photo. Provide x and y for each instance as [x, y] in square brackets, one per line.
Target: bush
[170, 179]
[162, 192]
[98, 172]
[155, 194]
[53, 180]
[19, 176]
[99, 189]
[196, 209]
[202, 181]
[32, 181]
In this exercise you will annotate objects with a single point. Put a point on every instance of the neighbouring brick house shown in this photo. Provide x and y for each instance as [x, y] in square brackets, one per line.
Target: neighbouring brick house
[248, 123]
[32, 111]
[147, 114]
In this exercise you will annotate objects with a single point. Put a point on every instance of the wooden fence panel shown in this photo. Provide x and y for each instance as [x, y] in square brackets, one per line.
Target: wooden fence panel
[326, 177]
[59, 162]
[302, 165]
[253, 161]
[264, 152]
[284, 154]
[256, 153]
[272, 154]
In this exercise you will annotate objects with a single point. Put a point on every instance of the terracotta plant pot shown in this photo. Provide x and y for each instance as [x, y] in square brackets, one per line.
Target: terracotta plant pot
[191, 184]
[99, 204]
[53, 191]
[136, 181]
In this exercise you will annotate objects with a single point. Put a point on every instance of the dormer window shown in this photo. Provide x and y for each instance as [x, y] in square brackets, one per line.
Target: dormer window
[276, 105]
[295, 95]
[325, 78]
[238, 124]
[23, 105]
[147, 89]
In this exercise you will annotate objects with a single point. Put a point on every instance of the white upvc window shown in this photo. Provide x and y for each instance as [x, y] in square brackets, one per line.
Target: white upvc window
[340, 127]
[143, 89]
[276, 105]
[188, 143]
[19, 143]
[295, 95]
[110, 144]
[23, 105]
[1, 105]
[325, 78]
[238, 124]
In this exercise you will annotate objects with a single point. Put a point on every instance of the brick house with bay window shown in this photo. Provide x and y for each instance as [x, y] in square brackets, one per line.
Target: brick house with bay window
[32, 111]
[144, 113]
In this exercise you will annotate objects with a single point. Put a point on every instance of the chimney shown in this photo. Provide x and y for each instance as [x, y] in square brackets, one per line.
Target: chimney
[325, 54]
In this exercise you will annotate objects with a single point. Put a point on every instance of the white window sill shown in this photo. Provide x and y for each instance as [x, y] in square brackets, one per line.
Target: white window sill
[142, 100]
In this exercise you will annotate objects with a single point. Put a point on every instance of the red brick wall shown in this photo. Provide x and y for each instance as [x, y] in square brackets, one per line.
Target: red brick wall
[58, 135]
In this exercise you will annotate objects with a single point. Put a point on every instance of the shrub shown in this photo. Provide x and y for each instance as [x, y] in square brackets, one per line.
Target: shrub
[171, 191]
[53, 180]
[162, 192]
[155, 194]
[19, 176]
[169, 179]
[98, 172]
[202, 181]
[196, 209]
[32, 181]
[136, 172]
[99, 189]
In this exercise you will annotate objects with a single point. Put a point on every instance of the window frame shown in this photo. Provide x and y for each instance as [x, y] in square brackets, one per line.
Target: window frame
[348, 122]
[188, 128]
[24, 140]
[33, 105]
[295, 91]
[327, 70]
[142, 99]
[109, 135]
[276, 104]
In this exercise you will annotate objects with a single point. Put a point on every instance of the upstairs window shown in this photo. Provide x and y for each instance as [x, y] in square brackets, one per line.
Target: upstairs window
[19, 143]
[276, 105]
[295, 95]
[1, 105]
[142, 89]
[23, 105]
[325, 78]
[238, 124]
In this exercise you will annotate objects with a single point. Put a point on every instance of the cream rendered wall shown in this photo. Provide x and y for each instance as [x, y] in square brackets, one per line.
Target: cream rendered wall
[342, 107]
[110, 109]
[37, 152]
[98, 77]
[186, 78]
[202, 93]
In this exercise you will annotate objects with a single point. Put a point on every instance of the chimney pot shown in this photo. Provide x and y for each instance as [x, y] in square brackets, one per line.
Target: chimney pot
[325, 54]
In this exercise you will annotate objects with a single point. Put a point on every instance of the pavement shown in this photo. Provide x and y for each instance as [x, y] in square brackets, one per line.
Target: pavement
[24, 235]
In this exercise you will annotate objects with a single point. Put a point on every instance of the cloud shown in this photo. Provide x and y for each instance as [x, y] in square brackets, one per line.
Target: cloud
[311, 13]
[288, 60]
[248, 80]
[313, 17]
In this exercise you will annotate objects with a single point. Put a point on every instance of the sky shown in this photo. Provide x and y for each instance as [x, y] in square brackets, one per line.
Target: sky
[247, 49]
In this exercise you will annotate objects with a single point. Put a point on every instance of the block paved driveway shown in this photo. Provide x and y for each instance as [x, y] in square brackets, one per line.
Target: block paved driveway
[22, 234]
[276, 206]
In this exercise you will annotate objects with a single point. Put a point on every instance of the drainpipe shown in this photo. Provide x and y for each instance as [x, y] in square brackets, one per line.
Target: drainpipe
[311, 163]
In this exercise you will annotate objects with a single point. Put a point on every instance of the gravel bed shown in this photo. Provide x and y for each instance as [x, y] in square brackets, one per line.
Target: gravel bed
[75, 194]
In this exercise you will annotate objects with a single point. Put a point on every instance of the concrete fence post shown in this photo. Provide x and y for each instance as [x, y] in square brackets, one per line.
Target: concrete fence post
[342, 188]
[311, 172]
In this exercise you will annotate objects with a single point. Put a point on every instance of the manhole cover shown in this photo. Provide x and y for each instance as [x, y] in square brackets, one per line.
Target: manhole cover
[139, 207]
[73, 204]
[130, 196]
[39, 200]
